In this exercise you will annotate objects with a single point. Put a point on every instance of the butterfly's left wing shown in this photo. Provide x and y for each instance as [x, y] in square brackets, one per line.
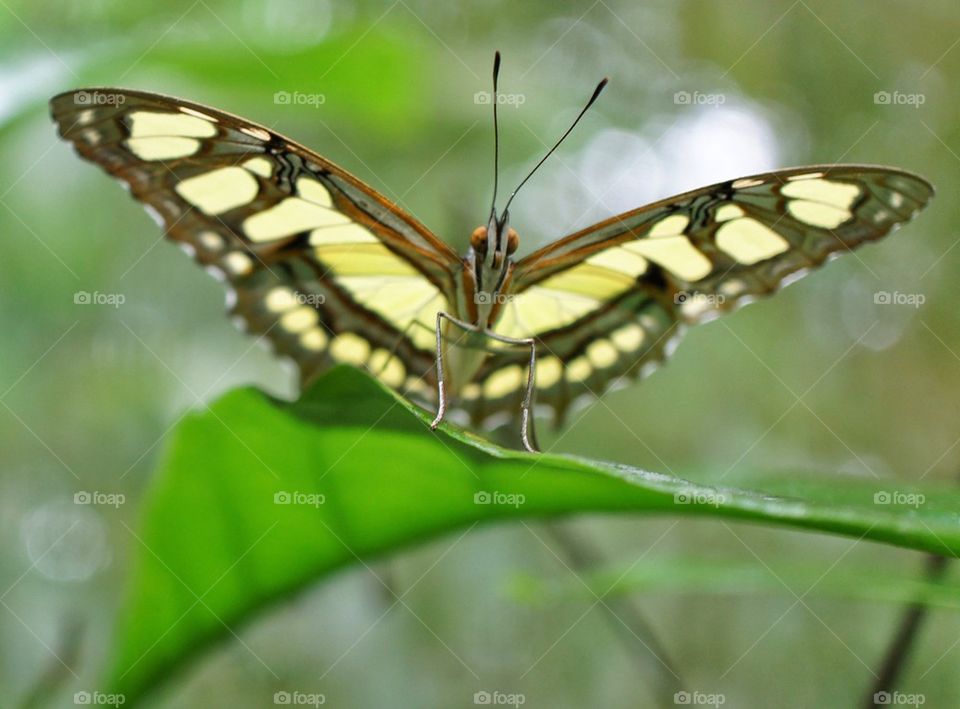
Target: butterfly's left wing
[608, 302]
[318, 263]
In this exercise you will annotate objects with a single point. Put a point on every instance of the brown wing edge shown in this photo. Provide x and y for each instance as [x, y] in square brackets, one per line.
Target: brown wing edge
[543, 262]
[351, 179]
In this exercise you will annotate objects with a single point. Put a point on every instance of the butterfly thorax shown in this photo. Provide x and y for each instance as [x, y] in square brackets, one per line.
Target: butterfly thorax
[485, 286]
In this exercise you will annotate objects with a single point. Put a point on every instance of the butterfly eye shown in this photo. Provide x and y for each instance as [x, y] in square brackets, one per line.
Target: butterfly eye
[478, 239]
[513, 241]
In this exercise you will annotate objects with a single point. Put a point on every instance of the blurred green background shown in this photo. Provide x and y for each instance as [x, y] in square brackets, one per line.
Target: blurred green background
[820, 379]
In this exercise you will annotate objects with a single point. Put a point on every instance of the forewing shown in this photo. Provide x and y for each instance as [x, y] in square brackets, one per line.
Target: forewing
[608, 303]
[319, 263]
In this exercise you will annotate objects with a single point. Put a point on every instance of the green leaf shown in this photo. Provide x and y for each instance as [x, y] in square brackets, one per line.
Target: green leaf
[235, 521]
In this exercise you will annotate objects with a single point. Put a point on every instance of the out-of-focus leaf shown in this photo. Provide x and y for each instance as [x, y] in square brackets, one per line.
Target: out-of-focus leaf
[729, 577]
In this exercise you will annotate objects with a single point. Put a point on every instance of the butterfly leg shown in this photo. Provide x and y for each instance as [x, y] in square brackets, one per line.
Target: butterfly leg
[528, 434]
[441, 381]
[441, 384]
[527, 431]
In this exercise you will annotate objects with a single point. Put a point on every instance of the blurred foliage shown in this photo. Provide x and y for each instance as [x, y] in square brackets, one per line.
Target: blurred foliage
[721, 576]
[819, 379]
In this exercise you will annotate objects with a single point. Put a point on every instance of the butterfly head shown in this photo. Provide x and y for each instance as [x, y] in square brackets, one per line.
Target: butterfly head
[491, 245]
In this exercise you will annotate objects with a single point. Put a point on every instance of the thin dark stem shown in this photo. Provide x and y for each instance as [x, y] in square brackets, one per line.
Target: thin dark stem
[631, 626]
[904, 639]
[636, 633]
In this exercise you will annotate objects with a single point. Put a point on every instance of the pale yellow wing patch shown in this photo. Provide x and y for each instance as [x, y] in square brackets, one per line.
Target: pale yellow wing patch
[149, 124]
[666, 245]
[409, 303]
[818, 189]
[167, 135]
[292, 216]
[821, 202]
[748, 241]
[373, 260]
[540, 308]
[219, 190]
[620, 260]
[163, 148]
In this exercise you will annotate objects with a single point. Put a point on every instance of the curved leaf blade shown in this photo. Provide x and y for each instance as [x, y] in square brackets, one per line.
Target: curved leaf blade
[257, 499]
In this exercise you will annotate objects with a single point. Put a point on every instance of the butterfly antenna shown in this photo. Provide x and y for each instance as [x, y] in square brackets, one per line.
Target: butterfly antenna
[496, 132]
[596, 93]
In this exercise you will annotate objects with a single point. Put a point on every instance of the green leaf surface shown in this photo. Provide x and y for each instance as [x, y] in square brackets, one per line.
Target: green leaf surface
[257, 499]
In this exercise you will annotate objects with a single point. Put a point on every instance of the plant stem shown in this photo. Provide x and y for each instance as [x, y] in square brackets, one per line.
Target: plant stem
[904, 638]
[637, 635]
[631, 626]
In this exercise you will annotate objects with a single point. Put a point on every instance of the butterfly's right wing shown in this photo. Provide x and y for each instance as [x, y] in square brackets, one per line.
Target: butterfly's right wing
[605, 304]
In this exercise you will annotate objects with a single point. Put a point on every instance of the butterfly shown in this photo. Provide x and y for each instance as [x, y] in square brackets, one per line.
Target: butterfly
[329, 271]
